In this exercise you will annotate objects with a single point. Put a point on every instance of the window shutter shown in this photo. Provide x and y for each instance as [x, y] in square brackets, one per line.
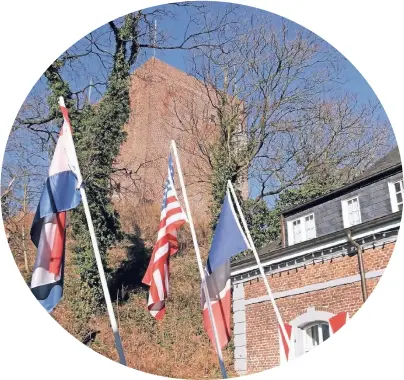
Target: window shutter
[286, 353]
[358, 208]
[345, 216]
[290, 233]
[393, 197]
[337, 321]
[299, 336]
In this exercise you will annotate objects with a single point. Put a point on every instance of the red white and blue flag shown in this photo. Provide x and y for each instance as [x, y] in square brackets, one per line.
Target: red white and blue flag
[228, 240]
[60, 193]
[157, 275]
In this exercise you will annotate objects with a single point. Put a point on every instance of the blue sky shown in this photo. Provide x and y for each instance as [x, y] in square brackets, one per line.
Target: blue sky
[355, 82]
[175, 27]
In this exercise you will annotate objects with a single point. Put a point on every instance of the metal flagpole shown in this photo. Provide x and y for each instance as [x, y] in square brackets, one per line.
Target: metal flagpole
[107, 296]
[199, 260]
[250, 240]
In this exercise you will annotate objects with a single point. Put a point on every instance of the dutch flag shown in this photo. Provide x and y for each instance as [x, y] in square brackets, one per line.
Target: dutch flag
[61, 192]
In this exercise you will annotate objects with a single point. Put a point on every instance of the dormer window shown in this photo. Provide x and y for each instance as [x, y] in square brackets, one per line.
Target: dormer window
[301, 229]
[396, 195]
[297, 231]
[351, 212]
[310, 227]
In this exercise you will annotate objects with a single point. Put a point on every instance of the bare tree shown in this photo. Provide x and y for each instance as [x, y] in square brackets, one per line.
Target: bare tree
[280, 113]
[278, 116]
[89, 63]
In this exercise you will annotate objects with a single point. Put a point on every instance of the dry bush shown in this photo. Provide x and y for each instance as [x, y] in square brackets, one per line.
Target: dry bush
[18, 235]
[175, 347]
[139, 218]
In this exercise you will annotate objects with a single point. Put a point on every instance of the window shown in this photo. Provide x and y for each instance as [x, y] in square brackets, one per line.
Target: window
[297, 231]
[309, 330]
[315, 334]
[310, 227]
[396, 195]
[301, 229]
[351, 212]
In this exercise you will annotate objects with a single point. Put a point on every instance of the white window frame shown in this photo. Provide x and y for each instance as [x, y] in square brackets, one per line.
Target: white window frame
[345, 216]
[300, 323]
[302, 219]
[393, 194]
[304, 347]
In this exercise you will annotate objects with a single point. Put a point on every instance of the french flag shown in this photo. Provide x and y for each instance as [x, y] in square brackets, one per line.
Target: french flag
[228, 240]
[61, 192]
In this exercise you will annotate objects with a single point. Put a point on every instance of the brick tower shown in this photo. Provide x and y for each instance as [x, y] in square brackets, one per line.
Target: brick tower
[166, 104]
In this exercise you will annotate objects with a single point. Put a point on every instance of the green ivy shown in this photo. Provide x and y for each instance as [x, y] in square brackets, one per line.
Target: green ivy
[261, 220]
[98, 134]
[98, 137]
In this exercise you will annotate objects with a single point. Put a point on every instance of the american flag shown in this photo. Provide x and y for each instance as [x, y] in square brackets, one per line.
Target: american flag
[157, 274]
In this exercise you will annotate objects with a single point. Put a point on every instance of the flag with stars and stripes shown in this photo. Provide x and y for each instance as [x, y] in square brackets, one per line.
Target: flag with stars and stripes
[157, 274]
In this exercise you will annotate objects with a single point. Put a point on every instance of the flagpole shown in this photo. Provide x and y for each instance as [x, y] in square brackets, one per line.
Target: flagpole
[107, 296]
[199, 260]
[250, 240]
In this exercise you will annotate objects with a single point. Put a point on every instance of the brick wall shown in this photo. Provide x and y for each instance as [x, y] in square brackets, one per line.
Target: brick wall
[262, 340]
[167, 104]
[162, 101]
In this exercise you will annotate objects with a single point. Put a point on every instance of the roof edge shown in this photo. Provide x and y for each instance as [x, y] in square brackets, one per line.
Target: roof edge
[343, 190]
[279, 253]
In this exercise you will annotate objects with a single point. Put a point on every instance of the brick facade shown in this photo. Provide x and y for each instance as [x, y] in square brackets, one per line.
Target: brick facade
[261, 331]
[313, 269]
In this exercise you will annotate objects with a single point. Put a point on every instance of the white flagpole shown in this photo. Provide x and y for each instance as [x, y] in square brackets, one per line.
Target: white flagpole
[199, 260]
[250, 240]
[107, 296]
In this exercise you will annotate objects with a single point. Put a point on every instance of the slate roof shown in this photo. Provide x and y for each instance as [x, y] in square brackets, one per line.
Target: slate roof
[386, 165]
[390, 160]
[269, 252]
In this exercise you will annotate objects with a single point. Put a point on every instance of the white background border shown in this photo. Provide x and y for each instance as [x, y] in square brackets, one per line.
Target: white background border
[34, 33]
